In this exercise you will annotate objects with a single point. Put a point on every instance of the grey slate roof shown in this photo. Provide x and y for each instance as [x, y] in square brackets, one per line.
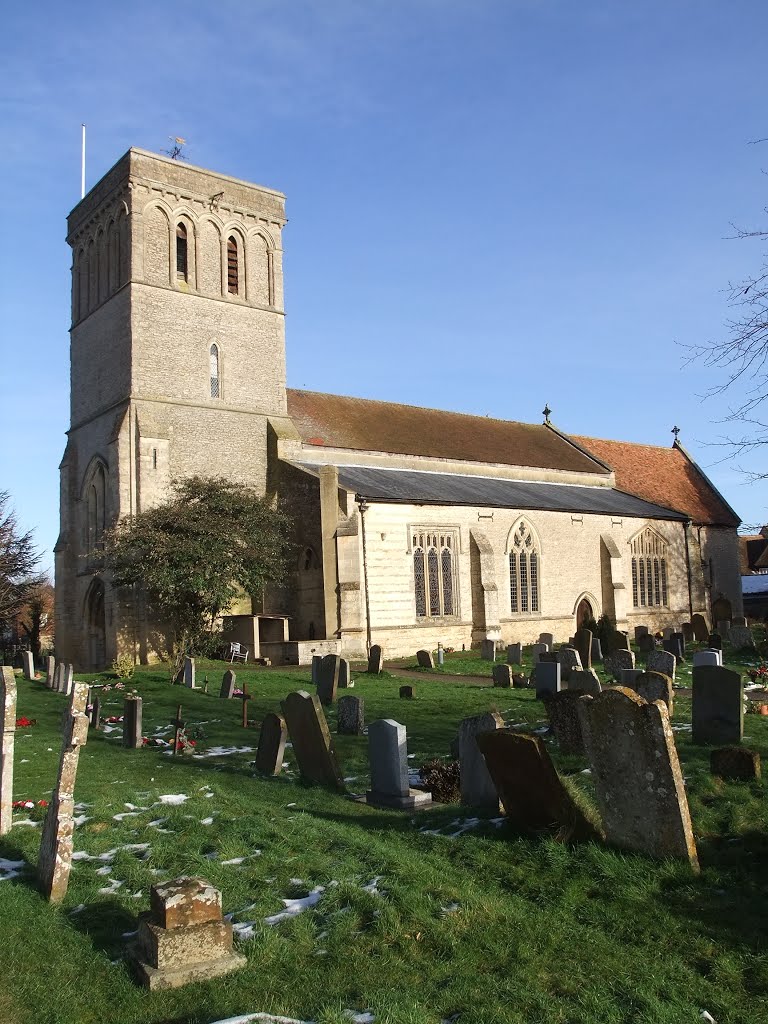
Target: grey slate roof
[410, 487]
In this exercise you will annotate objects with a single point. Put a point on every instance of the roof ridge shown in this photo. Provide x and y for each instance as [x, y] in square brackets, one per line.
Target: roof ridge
[636, 444]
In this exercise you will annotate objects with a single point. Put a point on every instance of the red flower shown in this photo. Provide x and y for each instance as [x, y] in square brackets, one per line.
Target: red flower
[24, 722]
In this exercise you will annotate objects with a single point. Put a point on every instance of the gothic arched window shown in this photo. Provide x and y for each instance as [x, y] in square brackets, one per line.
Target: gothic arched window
[233, 276]
[649, 570]
[96, 496]
[182, 263]
[434, 573]
[215, 380]
[524, 565]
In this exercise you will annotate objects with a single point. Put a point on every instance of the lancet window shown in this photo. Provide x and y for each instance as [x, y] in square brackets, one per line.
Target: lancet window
[524, 571]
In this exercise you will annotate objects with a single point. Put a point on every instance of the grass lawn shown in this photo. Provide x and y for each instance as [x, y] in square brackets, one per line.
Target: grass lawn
[421, 919]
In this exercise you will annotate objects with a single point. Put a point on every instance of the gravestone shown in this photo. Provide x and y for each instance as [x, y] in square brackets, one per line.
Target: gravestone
[617, 660]
[67, 679]
[646, 644]
[407, 692]
[425, 659]
[271, 748]
[537, 650]
[94, 716]
[597, 649]
[724, 628]
[707, 658]
[58, 677]
[520, 681]
[502, 676]
[28, 664]
[740, 637]
[585, 681]
[661, 661]
[515, 654]
[641, 631]
[738, 620]
[715, 642]
[680, 637]
[132, 735]
[673, 645]
[375, 660]
[350, 719]
[477, 786]
[548, 639]
[311, 739]
[8, 707]
[50, 671]
[388, 756]
[700, 628]
[488, 650]
[717, 714]
[189, 673]
[317, 662]
[184, 938]
[531, 792]
[568, 659]
[563, 714]
[328, 683]
[616, 641]
[228, 685]
[628, 676]
[546, 678]
[688, 632]
[667, 632]
[55, 860]
[735, 764]
[653, 686]
[345, 674]
[582, 641]
[637, 777]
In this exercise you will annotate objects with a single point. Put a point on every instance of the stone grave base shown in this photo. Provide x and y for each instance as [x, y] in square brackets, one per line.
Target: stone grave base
[416, 798]
[156, 978]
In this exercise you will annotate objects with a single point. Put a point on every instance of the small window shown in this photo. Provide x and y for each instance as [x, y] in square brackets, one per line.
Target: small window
[232, 269]
[181, 253]
[215, 387]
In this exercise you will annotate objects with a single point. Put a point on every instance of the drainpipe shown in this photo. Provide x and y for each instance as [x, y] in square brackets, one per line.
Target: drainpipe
[363, 509]
[688, 570]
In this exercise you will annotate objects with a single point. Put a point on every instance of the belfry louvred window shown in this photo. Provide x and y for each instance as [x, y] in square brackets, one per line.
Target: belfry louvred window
[524, 564]
[434, 572]
[232, 267]
[181, 253]
[649, 570]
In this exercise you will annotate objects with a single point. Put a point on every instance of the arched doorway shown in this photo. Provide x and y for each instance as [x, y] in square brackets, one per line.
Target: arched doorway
[721, 610]
[95, 626]
[584, 612]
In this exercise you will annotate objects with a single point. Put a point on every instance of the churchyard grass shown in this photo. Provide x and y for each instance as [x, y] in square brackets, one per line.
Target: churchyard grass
[439, 915]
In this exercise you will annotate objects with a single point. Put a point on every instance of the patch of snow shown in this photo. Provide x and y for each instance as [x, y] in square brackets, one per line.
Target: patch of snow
[11, 868]
[174, 799]
[266, 1018]
[27, 821]
[114, 885]
[295, 907]
[366, 1017]
[78, 910]
[206, 821]
[373, 886]
[223, 752]
[125, 814]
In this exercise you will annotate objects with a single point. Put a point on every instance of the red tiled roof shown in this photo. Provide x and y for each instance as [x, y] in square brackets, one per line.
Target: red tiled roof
[662, 475]
[752, 551]
[360, 424]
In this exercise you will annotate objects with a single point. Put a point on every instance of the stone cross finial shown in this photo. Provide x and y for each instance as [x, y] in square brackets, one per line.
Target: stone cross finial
[675, 431]
[546, 411]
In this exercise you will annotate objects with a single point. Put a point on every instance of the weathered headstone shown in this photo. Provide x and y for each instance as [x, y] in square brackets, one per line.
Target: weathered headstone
[680, 636]
[350, 720]
[707, 658]
[700, 628]
[724, 628]
[317, 662]
[329, 679]
[58, 677]
[641, 631]
[568, 659]
[616, 641]
[717, 714]
[132, 735]
[28, 664]
[488, 650]
[655, 686]
[227, 690]
[345, 674]
[687, 629]
[8, 706]
[537, 650]
[55, 859]
[740, 637]
[582, 641]
[673, 645]
[388, 756]
[546, 677]
[271, 748]
[597, 649]
[515, 654]
[735, 764]
[667, 632]
[189, 673]
[531, 792]
[50, 671]
[502, 676]
[548, 639]
[646, 644]
[738, 620]
[637, 777]
[618, 659]
[407, 692]
[715, 642]
[375, 660]
[627, 676]
[585, 681]
[311, 739]
[183, 938]
[477, 786]
[661, 661]
[425, 659]
[94, 716]
[563, 714]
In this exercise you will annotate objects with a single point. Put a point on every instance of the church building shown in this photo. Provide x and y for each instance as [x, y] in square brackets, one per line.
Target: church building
[413, 526]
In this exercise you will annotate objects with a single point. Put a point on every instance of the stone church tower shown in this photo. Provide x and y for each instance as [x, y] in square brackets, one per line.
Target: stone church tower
[177, 365]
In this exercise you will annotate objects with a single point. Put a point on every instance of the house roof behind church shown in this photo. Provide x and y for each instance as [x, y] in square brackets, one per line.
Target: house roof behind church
[362, 424]
[663, 475]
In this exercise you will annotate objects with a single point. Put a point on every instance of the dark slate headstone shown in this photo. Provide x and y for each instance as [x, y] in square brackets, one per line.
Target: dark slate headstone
[707, 658]
[375, 660]
[735, 764]
[488, 650]
[618, 659]
[271, 748]
[700, 628]
[228, 685]
[520, 681]
[515, 654]
[407, 692]
[640, 631]
[616, 641]
[688, 632]
[583, 644]
[563, 714]
[388, 757]
[674, 645]
[646, 644]
[425, 659]
[312, 745]
[715, 642]
[132, 736]
[317, 666]
[546, 678]
[94, 715]
[502, 676]
[328, 683]
[350, 718]
[597, 649]
[345, 674]
[717, 714]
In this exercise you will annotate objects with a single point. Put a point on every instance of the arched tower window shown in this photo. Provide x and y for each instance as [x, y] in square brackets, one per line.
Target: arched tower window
[649, 570]
[524, 571]
[215, 382]
[96, 496]
[434, 573]
[182, 263]
[233, 277]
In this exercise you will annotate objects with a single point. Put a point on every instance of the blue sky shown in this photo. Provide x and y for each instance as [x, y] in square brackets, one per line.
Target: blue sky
[492, 205]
